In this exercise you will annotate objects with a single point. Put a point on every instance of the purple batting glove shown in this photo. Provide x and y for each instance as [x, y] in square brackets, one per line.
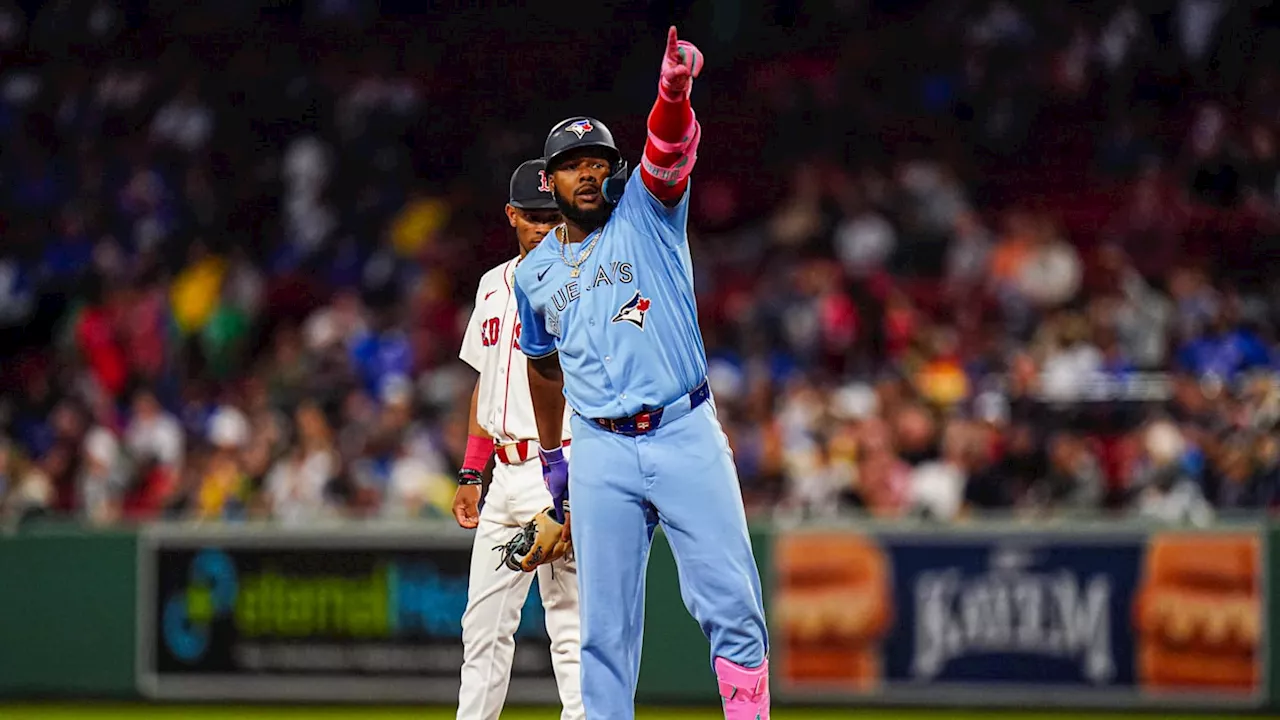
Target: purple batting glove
[555, 475]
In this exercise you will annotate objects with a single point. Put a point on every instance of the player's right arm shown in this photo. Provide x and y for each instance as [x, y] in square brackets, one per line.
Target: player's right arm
[658, 205]
[546, 382]
[671, 149]
[466, 500]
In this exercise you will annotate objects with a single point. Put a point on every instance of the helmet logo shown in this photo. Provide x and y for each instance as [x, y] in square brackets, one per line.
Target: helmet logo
[543, 184]
[579, 127]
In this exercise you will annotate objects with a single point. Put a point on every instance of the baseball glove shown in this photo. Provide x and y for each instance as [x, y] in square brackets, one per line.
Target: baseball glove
[541, 541]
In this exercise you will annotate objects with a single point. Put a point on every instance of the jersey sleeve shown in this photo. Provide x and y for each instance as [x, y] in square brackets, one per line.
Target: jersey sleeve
[535, 341]
[472, 351]
[650, 216]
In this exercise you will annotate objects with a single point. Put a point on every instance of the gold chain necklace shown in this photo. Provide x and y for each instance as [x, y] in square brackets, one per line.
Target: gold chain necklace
[562, 235]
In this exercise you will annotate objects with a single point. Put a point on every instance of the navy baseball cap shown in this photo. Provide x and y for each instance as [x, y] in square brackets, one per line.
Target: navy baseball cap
[531, 188]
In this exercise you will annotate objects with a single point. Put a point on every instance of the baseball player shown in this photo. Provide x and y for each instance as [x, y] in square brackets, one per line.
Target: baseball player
[609, 322]
[502, 426]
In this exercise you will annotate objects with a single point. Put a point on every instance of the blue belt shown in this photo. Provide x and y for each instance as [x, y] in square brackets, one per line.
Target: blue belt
[647, 421]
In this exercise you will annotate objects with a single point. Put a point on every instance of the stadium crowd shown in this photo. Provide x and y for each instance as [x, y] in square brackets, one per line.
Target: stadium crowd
[1029, 271]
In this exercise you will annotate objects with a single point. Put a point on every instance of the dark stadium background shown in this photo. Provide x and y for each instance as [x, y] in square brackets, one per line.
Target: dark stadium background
[956, 258]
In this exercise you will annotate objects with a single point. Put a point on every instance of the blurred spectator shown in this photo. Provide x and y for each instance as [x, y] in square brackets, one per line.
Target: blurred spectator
[222, 487]
[153, 433]
[1223, 349]
[938, 486]
[297, 485]
[1068, 359]
[1260, 179]
[968, 255]
[101, 485]
[1210, 157]
[185, 122]
[1074, 480]
[865, 239]
[1163, 488]
[27, 490]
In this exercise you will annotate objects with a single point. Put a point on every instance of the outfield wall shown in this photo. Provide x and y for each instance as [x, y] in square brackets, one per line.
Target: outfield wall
[1092, 616]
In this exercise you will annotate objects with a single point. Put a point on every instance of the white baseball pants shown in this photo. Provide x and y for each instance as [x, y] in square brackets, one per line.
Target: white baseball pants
[496, 594]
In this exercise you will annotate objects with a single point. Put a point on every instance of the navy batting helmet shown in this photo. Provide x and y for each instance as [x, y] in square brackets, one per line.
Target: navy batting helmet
[582, 132]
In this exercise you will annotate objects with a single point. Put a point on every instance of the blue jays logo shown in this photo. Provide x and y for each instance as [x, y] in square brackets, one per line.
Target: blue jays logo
[580, 127]
[634, 311]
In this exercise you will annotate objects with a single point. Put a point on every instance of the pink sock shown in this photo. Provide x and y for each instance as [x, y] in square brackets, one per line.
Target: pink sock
[745, 691]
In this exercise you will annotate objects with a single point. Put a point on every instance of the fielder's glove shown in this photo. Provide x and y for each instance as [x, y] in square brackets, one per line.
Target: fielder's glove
[541, 541]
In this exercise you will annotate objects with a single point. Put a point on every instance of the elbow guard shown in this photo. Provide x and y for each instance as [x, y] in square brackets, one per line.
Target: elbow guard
[686, 152]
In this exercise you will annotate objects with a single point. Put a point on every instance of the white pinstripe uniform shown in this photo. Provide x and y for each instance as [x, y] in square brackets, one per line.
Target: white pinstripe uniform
[496, 593]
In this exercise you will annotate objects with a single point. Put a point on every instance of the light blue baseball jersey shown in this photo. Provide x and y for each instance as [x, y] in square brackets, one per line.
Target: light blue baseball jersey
[627, 327]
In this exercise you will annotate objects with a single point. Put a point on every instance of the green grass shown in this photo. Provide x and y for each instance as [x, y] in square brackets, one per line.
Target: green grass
[103, 711]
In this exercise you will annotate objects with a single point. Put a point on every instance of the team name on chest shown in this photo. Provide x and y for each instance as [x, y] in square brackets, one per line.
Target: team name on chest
[615, 273]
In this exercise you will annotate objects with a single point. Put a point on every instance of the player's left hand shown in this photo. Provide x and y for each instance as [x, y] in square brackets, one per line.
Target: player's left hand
[555, 475]
[681, 63]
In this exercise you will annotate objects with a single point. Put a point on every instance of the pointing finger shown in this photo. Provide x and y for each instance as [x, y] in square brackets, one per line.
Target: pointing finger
[672, 41]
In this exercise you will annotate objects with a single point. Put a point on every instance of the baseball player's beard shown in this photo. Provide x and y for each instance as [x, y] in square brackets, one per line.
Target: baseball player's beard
[586, 220]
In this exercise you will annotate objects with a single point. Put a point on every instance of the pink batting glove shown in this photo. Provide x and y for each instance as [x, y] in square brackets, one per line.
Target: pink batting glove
[680, 65]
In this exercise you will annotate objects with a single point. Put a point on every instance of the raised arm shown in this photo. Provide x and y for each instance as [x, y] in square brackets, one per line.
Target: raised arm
[672, 145]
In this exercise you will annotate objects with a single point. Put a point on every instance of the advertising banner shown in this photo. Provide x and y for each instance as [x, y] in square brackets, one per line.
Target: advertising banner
[307, 616]
[1121, 618]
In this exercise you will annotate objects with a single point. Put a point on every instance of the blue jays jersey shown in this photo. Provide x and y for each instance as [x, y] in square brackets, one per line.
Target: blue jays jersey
[626, 327]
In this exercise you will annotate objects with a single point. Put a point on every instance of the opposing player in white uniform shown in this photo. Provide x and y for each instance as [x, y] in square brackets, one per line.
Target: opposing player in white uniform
[502, 425]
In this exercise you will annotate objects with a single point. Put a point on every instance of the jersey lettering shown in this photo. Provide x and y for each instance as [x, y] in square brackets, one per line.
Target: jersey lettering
[572, 290]
[566, 294]
[619, 272]
[492, 346]
[489, 331]
[643, 284]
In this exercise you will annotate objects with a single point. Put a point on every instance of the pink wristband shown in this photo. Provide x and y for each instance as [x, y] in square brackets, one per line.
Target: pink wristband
[479, 448]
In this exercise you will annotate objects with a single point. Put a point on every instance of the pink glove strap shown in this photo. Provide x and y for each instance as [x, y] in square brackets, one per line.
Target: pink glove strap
[479, 448]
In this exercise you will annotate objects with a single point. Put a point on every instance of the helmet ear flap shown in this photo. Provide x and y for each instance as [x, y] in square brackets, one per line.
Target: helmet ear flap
[616, 183]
